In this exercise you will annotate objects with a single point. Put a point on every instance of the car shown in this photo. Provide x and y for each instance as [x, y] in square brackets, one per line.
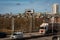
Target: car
[17, 35]
[57, 37]
[3, 35]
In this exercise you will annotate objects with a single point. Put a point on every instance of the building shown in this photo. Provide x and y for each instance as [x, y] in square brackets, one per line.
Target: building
[55, 8]
[38, 15]
[29, 12]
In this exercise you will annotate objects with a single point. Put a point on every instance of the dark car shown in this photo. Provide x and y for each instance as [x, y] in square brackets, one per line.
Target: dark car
[3, 34]
[56, 37]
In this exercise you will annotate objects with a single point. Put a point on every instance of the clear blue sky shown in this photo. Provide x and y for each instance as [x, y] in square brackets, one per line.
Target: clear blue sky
[19, 6]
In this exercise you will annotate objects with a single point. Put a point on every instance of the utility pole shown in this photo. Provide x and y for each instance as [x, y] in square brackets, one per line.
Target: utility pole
[52, 23]
[12, 25]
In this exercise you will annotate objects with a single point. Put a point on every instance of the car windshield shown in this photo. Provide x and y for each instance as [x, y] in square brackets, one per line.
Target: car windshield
[17, 33]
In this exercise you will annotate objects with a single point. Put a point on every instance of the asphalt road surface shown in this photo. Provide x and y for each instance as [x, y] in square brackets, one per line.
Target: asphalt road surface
[38, 38]
[42, 38]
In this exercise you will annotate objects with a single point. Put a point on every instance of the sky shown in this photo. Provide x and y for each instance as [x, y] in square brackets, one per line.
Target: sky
[19, 6]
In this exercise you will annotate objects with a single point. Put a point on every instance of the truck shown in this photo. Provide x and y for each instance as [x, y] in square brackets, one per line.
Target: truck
[48, 28]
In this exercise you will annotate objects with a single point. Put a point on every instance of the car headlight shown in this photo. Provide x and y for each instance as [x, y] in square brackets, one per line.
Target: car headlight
[13, 36]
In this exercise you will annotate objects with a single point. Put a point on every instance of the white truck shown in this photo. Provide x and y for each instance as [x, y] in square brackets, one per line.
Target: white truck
[48, 28]
[43, 28]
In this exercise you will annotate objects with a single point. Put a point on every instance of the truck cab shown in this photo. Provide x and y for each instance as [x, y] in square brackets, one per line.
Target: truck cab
[43, 28]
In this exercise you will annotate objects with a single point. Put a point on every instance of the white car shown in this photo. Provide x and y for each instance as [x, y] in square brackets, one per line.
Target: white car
[17, 35]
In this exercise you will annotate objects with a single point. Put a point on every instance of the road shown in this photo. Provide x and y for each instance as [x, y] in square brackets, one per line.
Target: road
[29, 37]
[38, 38]
[41, 38]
